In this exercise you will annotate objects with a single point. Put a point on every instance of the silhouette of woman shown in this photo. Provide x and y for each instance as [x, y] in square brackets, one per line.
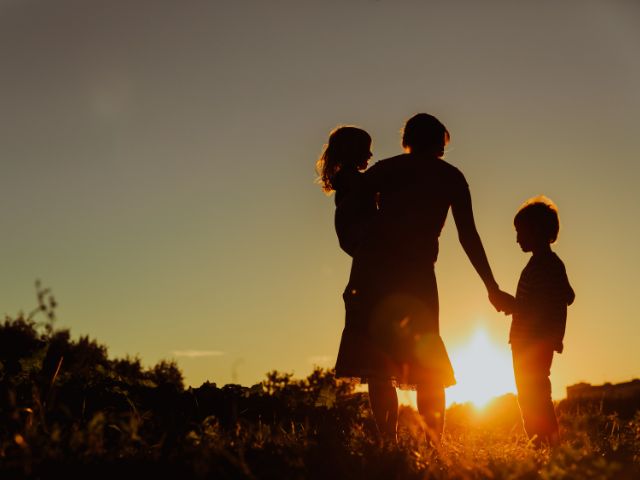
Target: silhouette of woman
[391, 336]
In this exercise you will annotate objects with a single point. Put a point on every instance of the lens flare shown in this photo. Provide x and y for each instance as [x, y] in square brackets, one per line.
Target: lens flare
[483, 370]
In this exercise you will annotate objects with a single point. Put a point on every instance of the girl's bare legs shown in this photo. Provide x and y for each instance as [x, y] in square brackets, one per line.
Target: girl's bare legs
[384, 403]
[431, 402]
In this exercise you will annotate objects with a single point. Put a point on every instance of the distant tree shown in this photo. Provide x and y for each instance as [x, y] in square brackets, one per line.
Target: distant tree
[19, 340]
[166, 373]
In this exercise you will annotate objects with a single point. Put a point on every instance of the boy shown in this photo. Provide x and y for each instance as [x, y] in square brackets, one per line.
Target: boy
[539, 312]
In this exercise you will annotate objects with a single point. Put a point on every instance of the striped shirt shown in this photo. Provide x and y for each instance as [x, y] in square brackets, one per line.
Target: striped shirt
[542, 297]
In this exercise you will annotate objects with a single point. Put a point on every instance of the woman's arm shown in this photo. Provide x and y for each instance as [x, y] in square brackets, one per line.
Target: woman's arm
[472, 245]
[470, 239]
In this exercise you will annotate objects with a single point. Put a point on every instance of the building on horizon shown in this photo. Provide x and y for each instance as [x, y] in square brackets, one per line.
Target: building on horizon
[618, 391]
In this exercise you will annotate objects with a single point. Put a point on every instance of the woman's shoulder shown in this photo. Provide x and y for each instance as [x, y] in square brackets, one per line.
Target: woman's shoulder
[387, 163]
[451, 175]
[451, 169]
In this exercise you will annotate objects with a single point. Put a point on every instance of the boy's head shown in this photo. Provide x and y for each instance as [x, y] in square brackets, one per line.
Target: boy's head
[537, 224]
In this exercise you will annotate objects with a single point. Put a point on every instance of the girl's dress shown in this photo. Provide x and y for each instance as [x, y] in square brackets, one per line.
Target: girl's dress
[392, 328]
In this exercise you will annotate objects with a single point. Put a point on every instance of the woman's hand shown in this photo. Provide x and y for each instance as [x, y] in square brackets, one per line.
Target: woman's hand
[502, 301]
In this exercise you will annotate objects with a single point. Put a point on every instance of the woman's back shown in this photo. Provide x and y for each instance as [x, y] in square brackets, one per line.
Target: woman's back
[414, 198]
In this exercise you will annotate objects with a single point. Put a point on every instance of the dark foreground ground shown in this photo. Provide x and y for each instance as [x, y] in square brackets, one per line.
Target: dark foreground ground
[67, 410]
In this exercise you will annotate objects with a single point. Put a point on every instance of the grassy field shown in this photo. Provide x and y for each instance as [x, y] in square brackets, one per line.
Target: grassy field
[67, 409]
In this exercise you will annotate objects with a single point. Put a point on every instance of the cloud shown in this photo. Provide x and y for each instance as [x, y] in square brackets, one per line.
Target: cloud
[197, 353]
[320, 360]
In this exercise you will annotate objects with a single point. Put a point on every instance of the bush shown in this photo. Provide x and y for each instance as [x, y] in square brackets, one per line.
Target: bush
[67, 409]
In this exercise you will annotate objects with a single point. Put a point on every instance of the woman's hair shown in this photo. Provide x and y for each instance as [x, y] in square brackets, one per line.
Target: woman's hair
[346, 147]
[425, 133]
[541, 214]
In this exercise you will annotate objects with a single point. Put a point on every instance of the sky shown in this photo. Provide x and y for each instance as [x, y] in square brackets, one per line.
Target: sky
[157, 167]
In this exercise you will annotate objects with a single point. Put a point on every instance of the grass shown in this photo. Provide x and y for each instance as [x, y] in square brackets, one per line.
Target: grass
[67, 410]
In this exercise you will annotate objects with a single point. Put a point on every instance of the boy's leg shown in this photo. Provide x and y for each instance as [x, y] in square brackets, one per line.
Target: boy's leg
[532, 367]
[383, 399]
[431, 401]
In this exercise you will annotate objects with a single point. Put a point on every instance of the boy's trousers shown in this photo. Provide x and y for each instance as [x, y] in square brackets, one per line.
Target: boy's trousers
[532, 367]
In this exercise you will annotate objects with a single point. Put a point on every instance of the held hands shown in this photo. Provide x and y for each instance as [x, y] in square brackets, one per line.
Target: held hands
[502, 301]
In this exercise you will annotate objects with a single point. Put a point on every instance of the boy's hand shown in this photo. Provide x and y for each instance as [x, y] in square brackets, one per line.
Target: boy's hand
[502, 301]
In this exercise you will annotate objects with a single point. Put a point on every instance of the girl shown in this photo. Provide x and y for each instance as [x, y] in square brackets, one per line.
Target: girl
[346, 155]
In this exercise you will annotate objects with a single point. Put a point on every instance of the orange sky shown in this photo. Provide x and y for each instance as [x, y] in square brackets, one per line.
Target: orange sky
[157, 166]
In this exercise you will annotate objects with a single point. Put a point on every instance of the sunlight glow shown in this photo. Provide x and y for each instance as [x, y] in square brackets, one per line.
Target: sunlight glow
[483, 370]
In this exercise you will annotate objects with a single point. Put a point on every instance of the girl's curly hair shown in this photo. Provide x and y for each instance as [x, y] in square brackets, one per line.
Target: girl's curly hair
[344, 149]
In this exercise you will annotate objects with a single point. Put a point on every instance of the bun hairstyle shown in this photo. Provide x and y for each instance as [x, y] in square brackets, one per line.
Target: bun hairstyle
[424, 133]
[346, 146]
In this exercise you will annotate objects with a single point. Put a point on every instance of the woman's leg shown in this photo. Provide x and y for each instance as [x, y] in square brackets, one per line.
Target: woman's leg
[384, 403]
[431, 407]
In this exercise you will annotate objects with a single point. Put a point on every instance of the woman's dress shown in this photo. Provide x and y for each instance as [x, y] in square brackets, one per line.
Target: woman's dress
[392, 328]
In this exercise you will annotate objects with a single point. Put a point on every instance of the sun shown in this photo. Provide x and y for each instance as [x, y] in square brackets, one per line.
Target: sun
[483, 370]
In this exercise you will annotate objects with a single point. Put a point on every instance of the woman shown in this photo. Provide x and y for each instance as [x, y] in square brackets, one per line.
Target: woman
[391, 336]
